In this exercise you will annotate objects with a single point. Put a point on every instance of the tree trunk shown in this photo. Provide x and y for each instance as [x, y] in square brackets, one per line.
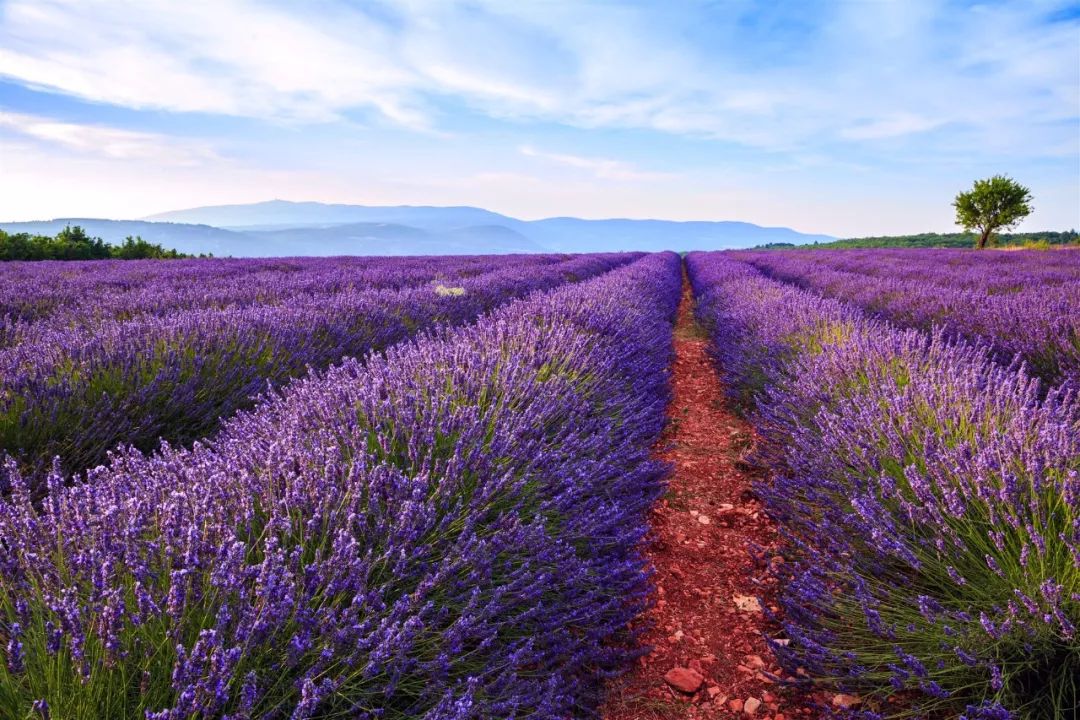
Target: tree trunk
[983, 239]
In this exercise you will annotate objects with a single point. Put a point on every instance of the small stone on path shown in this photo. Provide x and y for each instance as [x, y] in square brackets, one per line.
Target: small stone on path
[747, 603]
[846, 701]
[684, 680]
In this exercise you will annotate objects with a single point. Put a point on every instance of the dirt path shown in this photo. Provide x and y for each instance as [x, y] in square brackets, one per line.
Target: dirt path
[706, 627]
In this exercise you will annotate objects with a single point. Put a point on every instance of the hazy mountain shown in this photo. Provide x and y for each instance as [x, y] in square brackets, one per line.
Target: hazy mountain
[284, 214]
[279, 227]
[350, 239]
[563, 234]
[492, 236]
[180, 236]
[392, 239]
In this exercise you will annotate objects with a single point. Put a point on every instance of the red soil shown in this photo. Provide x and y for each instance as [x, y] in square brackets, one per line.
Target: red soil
[700, 545]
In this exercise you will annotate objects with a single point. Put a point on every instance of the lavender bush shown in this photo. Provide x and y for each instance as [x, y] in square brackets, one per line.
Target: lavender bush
[1016, 303]
[75, 393]
[68, 294]
[930, 497]
[448, 530]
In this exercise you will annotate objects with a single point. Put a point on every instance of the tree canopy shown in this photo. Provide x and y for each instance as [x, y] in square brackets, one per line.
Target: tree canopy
[997, 203]
[1041, 238]
[72, 243]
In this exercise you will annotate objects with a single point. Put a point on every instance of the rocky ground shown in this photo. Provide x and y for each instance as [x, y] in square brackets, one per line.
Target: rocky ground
[711, 546]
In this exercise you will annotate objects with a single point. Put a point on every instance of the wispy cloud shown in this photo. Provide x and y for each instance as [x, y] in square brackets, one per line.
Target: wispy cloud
[108, 142]
[231, 57]
[748, 74]
[889, 127]
[803, 102]
[602, 168]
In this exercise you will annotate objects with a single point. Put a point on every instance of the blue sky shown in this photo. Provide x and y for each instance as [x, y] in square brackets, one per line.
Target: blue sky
[847, 118]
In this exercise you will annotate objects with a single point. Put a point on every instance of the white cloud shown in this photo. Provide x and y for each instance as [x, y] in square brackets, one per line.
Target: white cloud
[602, 168]
[232, 57]
[856, 72]
[824, 101]
[888, 127]
[107, 142]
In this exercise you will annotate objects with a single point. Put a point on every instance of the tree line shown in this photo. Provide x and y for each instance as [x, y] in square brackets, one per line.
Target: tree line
[72, 243]
[1044, 238]
[993, 204]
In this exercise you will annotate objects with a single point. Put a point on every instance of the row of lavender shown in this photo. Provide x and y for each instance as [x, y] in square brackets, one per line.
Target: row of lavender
[992, 271]
[36, 297]
[1023, 303]
[930, 497]
[446, 531]
[76, 393]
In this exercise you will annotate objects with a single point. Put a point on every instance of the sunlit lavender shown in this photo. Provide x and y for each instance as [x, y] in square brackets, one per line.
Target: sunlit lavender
[167, 353]
[1020, 303]
[930, 496]
[447, 530]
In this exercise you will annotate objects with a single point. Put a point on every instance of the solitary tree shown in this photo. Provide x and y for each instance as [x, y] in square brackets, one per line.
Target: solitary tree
[998, 203]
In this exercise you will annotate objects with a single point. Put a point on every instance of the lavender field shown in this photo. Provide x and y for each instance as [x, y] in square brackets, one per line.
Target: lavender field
[421, 487]
[922, 432]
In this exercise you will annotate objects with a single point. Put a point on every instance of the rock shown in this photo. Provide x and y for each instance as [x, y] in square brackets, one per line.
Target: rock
[751, 705]
[684, 680]
[735, 705]
[747, 603]
[755, 662]
[704, 519]
[841, 700]
[713, 692]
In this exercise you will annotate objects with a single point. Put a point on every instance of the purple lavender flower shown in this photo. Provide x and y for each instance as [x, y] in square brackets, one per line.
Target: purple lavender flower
[902, 456]
[426, 531]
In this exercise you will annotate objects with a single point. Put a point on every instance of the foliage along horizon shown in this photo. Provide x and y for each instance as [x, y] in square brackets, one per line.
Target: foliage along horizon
[73, 243]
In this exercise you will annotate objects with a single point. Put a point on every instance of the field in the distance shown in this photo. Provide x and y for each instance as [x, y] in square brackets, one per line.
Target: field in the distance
[427, 487]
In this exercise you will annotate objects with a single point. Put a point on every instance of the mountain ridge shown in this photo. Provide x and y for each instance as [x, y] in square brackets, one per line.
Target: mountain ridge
[282, 227]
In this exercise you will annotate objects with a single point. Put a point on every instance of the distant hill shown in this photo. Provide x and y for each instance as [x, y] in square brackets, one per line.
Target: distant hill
[282, 214]
[564, 234]
[938, 240]
[280, 227]
[391, 239]
[186, 238]
[351, 239]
